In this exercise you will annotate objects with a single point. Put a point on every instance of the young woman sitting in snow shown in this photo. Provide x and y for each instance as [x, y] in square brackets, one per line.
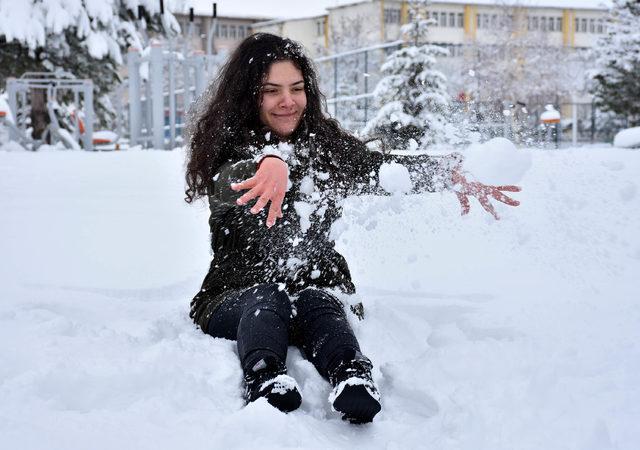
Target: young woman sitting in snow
[260, 133]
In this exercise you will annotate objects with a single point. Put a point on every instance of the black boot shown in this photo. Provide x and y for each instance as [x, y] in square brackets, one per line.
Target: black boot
[268, 378]
[354, 394]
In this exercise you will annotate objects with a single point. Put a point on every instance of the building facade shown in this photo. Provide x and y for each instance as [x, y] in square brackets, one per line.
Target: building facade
[457, 22]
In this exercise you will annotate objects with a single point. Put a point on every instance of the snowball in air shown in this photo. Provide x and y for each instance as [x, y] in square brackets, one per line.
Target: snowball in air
[497, 162]
[394, 178]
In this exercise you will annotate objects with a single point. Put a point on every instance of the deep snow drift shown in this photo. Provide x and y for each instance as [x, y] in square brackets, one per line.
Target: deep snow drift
[516, 334]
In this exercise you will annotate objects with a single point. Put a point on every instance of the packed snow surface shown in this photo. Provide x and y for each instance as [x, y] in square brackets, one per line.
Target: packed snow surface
[497, 162]
[520, 334]
[629, 138]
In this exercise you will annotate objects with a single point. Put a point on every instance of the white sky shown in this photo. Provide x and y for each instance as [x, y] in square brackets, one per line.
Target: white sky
[286, 9]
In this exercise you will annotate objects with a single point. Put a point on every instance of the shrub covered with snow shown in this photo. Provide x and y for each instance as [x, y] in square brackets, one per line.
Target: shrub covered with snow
[629, 138]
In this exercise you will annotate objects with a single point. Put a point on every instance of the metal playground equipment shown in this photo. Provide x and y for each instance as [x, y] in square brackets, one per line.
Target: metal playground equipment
[79, 121]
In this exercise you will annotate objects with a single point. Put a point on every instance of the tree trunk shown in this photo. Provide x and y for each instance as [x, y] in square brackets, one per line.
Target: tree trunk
[39, 115]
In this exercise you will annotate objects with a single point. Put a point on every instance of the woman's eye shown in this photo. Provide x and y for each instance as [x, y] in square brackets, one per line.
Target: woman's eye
[269, 91]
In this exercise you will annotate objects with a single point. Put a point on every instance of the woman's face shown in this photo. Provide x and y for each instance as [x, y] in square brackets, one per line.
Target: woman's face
[283, 99]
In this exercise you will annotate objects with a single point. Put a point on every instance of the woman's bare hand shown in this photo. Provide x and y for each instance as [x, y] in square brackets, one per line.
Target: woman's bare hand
[269, 184]
[482, 192]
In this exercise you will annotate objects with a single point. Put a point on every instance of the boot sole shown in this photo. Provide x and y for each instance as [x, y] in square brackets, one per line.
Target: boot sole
[356, 404]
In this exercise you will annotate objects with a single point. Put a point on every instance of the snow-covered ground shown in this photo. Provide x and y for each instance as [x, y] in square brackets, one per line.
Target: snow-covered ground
[517, 334]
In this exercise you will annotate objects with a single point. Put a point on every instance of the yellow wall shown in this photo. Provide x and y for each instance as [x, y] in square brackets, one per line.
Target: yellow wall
[382, 39]
[569, 28]
[470, 22]
[404, 12]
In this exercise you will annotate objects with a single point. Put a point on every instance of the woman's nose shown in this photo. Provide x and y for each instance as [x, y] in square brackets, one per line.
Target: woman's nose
[287, 100]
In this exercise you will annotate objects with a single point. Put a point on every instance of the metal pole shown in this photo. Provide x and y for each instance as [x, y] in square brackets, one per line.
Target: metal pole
[574, 120]
[186, 78]
[76, 125]
[198, 66]
[335, 88]
[135, 108]
[12, 91]
[212, 28]
[172, 101]
[23, 106]
[88, 114]
[593, 121]
[366, 84]
[157, 97]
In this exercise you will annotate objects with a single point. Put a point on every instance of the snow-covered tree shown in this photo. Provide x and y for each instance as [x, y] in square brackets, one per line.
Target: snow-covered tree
[412, 96]
[617, 77]
[83, 37]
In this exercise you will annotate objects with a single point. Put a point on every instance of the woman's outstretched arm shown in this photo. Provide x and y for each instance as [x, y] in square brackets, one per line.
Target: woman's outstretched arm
[428, 173]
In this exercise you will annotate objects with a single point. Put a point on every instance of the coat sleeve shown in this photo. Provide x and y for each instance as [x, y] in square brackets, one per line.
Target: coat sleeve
[222, 203]
[360, 168]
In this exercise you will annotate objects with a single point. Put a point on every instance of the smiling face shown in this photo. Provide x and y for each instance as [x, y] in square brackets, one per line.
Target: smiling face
[283, 98]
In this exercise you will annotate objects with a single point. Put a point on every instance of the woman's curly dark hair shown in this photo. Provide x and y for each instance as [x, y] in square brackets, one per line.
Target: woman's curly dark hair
[225, 121]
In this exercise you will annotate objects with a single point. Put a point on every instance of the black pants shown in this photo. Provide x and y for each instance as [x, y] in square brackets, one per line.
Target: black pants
[265, 321]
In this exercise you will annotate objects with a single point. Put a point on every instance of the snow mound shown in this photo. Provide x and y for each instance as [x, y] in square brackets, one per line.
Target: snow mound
[12, 146]
[394, 178]
[629, 138]
[497, 161]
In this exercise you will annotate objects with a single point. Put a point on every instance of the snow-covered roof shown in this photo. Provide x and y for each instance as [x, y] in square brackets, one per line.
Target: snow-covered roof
[297, 9]
[264, 9]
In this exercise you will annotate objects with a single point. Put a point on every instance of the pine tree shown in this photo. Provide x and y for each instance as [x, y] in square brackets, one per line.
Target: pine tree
[412, 94]
[617, 77]
[86, 39]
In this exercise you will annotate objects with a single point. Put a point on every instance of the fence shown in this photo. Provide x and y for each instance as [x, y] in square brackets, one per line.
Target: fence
[580, 122]
[160, 87]
[349, 78]
[163, 83]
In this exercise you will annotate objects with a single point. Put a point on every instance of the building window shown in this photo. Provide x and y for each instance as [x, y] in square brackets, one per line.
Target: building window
[434, 15]
[592, 25]
[232, 32]
[319, 27]
[223, 31]
[452, 20]
[483, 21]
[443, 19]
[460, 20]
[558, 23]
[600, 27]
[543, 23]
[391, 15]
